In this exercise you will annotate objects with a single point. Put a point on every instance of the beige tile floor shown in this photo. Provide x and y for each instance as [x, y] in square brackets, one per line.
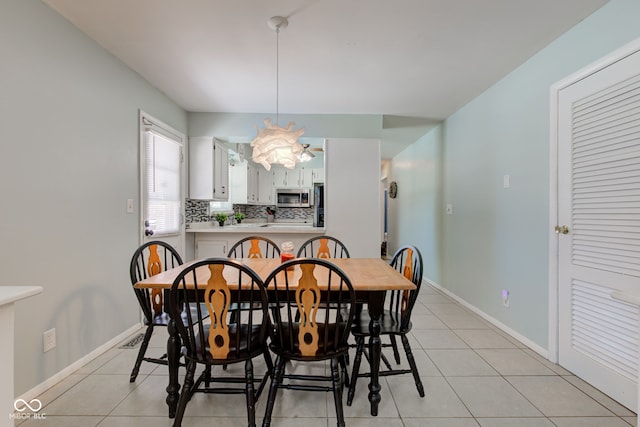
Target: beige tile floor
[473, 374]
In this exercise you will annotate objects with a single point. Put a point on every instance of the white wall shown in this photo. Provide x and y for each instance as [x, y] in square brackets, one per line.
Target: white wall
[315, 125]
[352, 212]
[68, 163]
[497, 238]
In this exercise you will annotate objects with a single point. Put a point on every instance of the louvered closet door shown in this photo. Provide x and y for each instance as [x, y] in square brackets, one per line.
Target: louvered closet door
[599, 201]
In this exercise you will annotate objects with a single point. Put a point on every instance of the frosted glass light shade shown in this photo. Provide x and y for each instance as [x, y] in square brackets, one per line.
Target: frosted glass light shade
[277, 145]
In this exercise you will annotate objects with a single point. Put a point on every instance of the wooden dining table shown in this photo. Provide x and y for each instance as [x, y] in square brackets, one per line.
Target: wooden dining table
[370, 277]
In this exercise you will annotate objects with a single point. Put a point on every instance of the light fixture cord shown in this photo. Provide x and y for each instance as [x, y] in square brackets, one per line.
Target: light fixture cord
[277, 73]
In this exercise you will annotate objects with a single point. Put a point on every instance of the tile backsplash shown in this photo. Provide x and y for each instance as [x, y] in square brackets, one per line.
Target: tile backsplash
[198, 211]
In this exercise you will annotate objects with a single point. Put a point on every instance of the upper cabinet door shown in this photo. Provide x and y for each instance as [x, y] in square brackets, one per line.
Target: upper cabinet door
[280, 177]
[305, 177]
[208, 169]
[252, 183]
[265, 186]
[317, 175]
[220, 172]
[238, 183]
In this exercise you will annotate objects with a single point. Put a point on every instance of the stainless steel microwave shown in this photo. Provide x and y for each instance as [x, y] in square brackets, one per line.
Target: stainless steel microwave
[293, 198]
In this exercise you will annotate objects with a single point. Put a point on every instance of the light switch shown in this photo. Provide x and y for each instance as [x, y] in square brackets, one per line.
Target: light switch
[449, 209]
[506, 181]
[129, 205]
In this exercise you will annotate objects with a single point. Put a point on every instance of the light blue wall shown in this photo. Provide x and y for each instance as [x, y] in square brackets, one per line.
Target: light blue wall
[414, 215]
[498, 238]
[68, 163]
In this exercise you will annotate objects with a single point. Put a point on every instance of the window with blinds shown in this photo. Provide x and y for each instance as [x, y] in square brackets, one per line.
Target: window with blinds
[162, 187]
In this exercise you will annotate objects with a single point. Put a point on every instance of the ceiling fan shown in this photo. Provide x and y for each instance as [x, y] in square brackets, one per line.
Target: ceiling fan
[310, 148]
[307, 154]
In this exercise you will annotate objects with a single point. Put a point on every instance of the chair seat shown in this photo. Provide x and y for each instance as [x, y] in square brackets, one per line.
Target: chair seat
[389, 324]
[162, 318]
[285, 348]
[234, 353]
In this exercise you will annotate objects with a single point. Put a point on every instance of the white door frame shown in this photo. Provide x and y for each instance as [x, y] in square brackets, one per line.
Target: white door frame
[615, 56]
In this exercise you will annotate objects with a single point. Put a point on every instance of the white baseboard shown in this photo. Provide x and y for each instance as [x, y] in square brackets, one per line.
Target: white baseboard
[526, 341]
[50, 382]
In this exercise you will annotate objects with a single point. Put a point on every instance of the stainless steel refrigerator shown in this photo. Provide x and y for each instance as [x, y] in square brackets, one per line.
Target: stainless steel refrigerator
[318, 205]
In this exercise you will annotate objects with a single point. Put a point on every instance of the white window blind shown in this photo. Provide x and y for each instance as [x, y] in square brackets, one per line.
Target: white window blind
[162, 189]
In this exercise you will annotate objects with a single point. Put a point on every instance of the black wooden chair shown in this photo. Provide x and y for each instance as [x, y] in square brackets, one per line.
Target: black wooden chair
[320, 334]
[211, 338]
[395, 321]
[323, 247]
[148, 260]
[254, 247]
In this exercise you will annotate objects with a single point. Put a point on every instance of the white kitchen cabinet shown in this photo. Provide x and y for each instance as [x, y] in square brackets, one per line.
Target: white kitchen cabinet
[280, 177]
[220, 172]
[238, 184]
[293, 178]
[265, 186]
[317, 175]
[252, 183]
[211, 248]
[305, 177]
[208, 169]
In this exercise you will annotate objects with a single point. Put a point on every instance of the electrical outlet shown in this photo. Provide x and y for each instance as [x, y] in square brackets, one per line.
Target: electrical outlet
[505, 298]
[49, 339]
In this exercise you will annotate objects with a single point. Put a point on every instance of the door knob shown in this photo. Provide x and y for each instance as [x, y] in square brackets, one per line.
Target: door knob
[562, 229]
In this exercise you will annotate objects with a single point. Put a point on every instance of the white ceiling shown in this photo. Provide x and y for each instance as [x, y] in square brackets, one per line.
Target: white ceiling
[413, 61]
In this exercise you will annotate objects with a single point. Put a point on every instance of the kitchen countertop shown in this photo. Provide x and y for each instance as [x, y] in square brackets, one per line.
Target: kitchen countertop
[256, 228]
[11, 294]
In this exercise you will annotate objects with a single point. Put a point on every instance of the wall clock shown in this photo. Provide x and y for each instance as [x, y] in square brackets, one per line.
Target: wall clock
[393, 189]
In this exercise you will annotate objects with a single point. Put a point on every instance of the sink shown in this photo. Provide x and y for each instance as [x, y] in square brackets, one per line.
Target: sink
[287, 225]
[272, 225]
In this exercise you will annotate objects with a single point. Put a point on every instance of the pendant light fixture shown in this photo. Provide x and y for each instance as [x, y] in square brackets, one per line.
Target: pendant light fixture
[274, 144]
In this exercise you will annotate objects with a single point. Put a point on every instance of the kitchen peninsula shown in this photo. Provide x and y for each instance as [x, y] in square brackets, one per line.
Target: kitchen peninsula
[212, 240]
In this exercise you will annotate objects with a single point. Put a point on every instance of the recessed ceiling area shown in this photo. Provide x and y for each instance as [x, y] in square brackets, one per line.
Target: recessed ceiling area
[413, 62]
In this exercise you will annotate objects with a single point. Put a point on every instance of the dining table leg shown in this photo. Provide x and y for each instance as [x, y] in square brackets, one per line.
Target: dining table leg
[375, 308]
[173, 362]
